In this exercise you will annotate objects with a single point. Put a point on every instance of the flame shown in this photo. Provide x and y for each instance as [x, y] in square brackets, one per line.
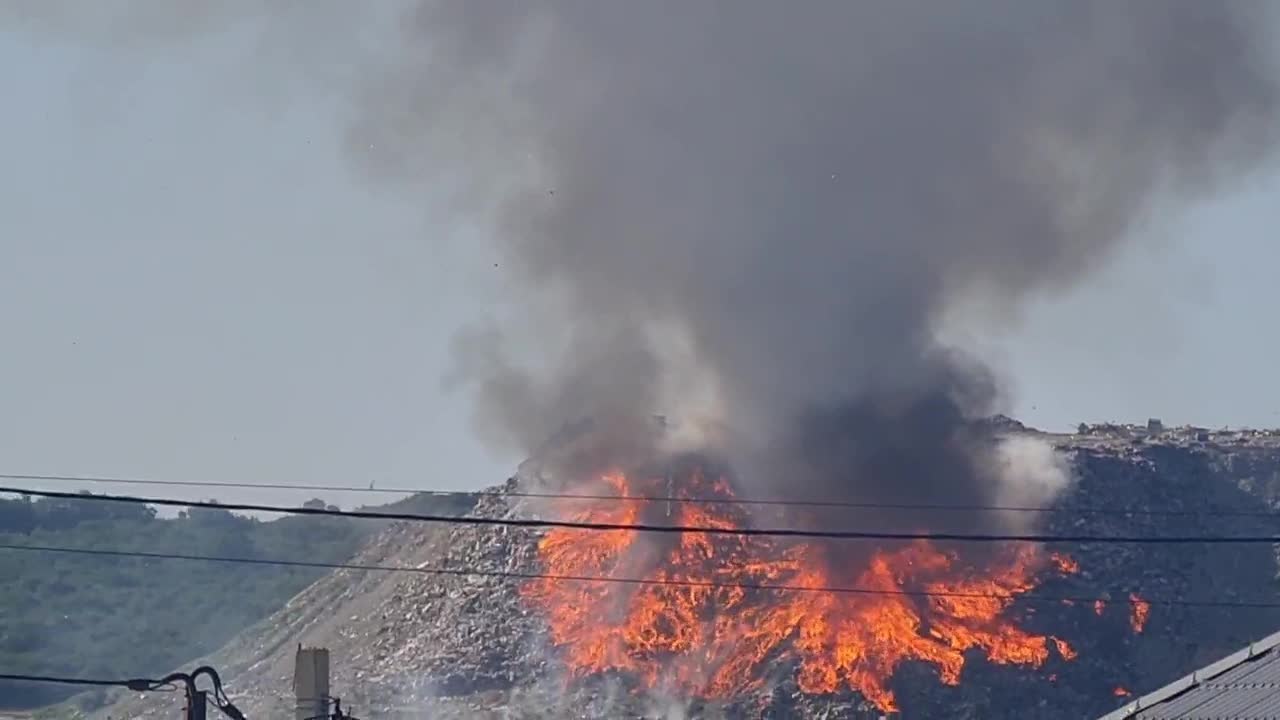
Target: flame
[590, 554]
[1121, 692]
[1139, 611]
[1064, 564]
[711, 620]
[1067, 652]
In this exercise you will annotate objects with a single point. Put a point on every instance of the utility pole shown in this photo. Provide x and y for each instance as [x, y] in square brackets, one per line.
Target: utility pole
[197, 704]
[311, 683]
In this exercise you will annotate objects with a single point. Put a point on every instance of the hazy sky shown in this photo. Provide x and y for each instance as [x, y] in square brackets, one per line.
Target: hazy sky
[194, 285]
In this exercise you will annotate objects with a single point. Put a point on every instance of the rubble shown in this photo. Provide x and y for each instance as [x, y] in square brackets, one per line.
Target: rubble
[453, 645]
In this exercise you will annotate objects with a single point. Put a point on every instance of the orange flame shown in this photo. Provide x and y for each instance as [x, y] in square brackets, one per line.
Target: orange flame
[1139, 611]
[712, 616]
[1064, 564]
[1065, 650]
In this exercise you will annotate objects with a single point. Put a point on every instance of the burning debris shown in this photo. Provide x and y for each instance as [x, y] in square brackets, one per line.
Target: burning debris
[708, 625]
[409, 646]
[766, 219]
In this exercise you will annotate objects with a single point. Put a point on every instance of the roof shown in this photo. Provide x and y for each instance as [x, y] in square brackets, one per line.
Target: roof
[1242, 686]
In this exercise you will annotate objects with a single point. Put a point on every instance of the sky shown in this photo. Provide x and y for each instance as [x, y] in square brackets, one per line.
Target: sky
[195, 285]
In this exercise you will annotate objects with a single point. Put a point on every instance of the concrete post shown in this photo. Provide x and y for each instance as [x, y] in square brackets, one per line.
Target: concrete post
[311, 683]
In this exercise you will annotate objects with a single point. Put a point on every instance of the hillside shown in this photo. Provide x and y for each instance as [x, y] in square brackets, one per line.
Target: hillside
[91, 617]
[409, 645]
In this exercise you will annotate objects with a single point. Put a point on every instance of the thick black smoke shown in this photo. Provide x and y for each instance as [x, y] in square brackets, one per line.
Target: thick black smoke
[781, 201]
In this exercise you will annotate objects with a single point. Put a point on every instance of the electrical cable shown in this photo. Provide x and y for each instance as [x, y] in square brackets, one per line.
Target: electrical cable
[517, 575]
[135, 684]
[219, 696]
[641, 527]
[647, 498]
[337, 714]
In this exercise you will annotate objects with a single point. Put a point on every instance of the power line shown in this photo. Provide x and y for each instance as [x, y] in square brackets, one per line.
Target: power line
[238, 485]
[647, 498]
[649, 528]
[217, 696]
[1122, 596]
[137, 684]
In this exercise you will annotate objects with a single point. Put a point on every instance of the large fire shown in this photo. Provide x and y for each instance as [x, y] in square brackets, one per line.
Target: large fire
[717, 611]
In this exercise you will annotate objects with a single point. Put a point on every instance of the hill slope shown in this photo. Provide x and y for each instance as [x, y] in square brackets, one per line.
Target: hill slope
[90, 616]
[410, 645]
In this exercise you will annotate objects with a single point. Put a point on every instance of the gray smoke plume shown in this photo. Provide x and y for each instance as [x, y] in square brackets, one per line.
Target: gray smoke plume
[758, 214]
[763, 210]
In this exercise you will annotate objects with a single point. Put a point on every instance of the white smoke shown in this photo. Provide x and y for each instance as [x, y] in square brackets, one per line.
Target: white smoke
[1029, 472]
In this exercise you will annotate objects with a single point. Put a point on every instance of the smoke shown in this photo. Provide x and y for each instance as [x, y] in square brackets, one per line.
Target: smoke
[1030, 473]
[785, 200]
[757, 215]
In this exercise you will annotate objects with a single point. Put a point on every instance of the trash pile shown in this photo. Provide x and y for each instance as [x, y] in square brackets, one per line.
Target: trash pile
[450, 636]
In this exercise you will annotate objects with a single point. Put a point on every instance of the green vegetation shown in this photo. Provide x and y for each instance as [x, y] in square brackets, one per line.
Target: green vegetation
[110, 617]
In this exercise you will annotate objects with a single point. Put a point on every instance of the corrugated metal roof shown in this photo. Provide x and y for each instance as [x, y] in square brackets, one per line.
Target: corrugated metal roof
[1242, 686]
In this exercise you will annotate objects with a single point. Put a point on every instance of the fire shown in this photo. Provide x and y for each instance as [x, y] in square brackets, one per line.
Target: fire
[1065, 650]
[1139, 611]
[1121, 692]
[1065, 565]
[717, 612]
